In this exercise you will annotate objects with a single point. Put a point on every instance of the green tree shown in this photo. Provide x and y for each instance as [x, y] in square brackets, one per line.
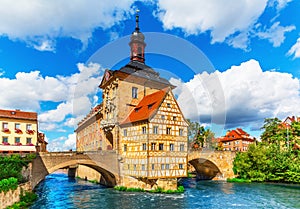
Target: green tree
[273, 131]
[192, 129]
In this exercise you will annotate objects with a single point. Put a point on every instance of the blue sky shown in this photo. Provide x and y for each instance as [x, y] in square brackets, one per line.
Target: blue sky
[234, 62]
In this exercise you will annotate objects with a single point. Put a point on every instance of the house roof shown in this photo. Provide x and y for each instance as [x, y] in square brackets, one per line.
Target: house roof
[237, 134]
[147, 107]
[18, 114]
[133, 72]
[289, 120]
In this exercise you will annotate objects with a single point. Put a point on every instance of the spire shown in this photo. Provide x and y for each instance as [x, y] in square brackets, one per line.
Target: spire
[137, 44]
[137, 28]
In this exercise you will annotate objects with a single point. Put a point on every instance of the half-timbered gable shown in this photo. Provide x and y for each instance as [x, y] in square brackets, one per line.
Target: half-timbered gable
[154, 138]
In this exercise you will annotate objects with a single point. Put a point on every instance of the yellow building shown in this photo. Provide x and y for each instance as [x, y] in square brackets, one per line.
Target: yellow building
[88, 133]
[140, 119]
[19, 131]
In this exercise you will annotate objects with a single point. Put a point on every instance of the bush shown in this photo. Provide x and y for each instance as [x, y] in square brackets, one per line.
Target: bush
[8, 184]
[11, 166]
[25, 201]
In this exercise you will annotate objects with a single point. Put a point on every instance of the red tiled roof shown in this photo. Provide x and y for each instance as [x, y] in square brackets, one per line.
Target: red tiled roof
[146, 107]
[17, 114]
[236, 135]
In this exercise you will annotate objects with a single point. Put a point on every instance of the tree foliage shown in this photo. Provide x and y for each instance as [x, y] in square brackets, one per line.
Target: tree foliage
[273, 159]
[11, 166]
[199, 135]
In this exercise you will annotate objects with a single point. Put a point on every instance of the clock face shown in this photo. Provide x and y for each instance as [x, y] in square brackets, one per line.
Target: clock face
[107, 75]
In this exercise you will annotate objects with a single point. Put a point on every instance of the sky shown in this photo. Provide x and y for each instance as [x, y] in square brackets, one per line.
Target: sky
[234, 63]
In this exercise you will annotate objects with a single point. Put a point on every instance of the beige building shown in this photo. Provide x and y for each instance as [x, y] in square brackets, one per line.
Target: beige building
[140, 119]
[19, 131]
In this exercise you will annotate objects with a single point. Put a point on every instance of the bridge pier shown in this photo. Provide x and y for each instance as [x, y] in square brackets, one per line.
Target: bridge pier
[72, 171]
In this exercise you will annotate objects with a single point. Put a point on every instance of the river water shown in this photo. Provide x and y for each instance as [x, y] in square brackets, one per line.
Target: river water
[59, 191]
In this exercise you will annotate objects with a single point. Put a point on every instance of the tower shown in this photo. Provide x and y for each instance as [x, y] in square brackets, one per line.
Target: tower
[137, 43]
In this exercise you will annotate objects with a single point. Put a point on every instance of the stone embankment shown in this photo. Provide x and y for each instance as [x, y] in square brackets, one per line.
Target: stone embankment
[12, 196]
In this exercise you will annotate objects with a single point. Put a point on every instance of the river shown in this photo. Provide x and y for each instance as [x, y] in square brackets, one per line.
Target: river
[59, 191]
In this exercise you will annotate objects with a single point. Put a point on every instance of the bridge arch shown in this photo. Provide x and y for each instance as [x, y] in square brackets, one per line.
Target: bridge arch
[205, 169]
[47, 163]
[216, 165]
[107, 178]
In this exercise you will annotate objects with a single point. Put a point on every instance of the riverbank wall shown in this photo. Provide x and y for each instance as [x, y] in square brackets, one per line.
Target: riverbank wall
[12, 196]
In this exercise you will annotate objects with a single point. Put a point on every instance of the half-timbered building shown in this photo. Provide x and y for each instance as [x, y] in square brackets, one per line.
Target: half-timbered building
[140, 119]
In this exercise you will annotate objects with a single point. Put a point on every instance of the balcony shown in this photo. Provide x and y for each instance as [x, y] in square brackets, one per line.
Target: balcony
[107, 125]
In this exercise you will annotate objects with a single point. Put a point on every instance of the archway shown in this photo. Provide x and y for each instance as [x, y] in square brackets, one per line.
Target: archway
[205, 169]
[40, 170]
[107, 178]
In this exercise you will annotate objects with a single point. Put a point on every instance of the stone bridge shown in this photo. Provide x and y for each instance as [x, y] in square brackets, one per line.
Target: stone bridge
[210, 164]
[105, 162]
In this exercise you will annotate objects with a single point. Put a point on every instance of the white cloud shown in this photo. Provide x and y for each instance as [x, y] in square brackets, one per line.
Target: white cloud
[250, 93]
[295, 50]
[279, 4]
[222, 18]
[276, 33]
[38, 22]
[74, 94]
[63, 143]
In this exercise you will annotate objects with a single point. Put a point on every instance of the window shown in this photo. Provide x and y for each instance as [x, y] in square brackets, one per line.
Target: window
[180, 166]
[17, 126]
[134, 167]
[161, 146]
[174, 118]
[144, 130]
[5, 140]
[28, 127]
[143, 167]
[28, 140]
[140, 51]
[172, 147]
[150, 106]
[125, 132]
[180, 132]
[144, 146]
[163, 117]
[168, 130]
[153, 146]
[168, 105]
[155, 129]
[162, 166]
[167, 166]
[153, 166]
[134, 92]
[181, 148]
[4, 125]
[17, 139]
[125, 147]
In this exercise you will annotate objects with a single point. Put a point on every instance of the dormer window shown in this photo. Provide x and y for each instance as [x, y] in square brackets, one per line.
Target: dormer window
[150, 106]
[137, 109]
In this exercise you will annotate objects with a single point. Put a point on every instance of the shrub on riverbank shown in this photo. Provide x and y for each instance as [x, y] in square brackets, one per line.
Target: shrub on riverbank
[180, 189]
[268, 162]
[238, 180]
[11, 166]
[8, 184]
[26, 200]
